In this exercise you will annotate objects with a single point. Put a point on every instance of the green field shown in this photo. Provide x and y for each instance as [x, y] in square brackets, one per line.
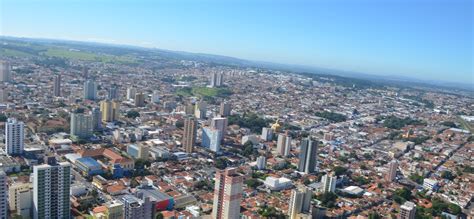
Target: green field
[14, 53]
[86, 56]
[204, 92]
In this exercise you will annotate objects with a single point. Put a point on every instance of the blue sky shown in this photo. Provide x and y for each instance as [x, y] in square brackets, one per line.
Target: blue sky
[426, 39]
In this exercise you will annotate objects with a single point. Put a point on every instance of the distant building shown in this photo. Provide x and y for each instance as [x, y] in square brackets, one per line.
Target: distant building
[131, 91]
[113, 93]
[200, 110]
[155, 97]
[81, 125]
[225, 109]
[110, 110]
[392, 171]
[3, 195]
[329, 183]
[90, 90]
[284, 145]
[139, 100]
[220, 124]
[300, 202]
[430, 184]
[276, 184]
[227, 194]
[88, 166]
[267, 134]
[217, 79]
[211, 139]
[252, 138]
[5, 72]
[96, 118]
[308, 156]
[138, 151]
[51, 187]
[261, 162]
[14, 136]
[407, 210]
[57, 86]
[189, 135]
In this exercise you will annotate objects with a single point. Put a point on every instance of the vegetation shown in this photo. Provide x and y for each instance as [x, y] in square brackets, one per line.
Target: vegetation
[249, 120]
[417, 178]
[328, 199]
[132, 114]
[221, 163]
[253, 183]
[402, 195]
[394, 122]
[204, 92]
[270, 212]
[338, 170]
[3, 118]
[448, 175]
[331, 116]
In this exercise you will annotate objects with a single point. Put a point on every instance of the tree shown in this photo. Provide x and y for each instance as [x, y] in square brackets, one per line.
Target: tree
[447, 175]
[159, 215]
[253, 183]
[132, 114]
[328, 199]
[374, 215]
[221, 163]
[338, 170]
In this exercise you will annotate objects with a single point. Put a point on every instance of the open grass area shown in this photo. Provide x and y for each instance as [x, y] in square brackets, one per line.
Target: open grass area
[14, 53]
[86, 56]
[204, 92]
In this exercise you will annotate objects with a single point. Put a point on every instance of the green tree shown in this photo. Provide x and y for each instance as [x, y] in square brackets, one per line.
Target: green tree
[132, 114]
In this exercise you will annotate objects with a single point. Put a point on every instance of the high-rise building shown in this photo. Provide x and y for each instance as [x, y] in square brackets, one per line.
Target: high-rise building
[220, 124]
[3, 95]
[14, 136]
[3, 195]
[5, 73]
[407, 210]
[329, 183]
[284, 144]
[131, 91]
[261, 162]
[225, 109]
[155, 97]
[227, 194]
[211, 138]
[96, 119]
[308, 156]
[57, 86]
[189, 134]
[81, 125]
[20, 196]
[200, 110]
[300, 202]
[51, 188]
[392, 171]
[139, 100]
[90, 90]
[267, 134]
[217, 79]
[113, 93]
[115, 210]
[110, 110]
[189, 109]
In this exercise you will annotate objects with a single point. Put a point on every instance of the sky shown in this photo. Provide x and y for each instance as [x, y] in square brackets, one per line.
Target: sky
[423, 39]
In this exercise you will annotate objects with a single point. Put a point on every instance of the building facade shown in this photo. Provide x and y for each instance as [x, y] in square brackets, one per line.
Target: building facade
[308, 156]
[227, 194]
[51, 188]
[81, 125]
[14, 136]
[189, 134]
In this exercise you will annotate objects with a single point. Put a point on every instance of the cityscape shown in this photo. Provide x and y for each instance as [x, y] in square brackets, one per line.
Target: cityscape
[106, 131]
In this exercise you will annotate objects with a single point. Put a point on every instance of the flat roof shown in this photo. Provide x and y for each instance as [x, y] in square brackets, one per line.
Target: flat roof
[88, 161]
